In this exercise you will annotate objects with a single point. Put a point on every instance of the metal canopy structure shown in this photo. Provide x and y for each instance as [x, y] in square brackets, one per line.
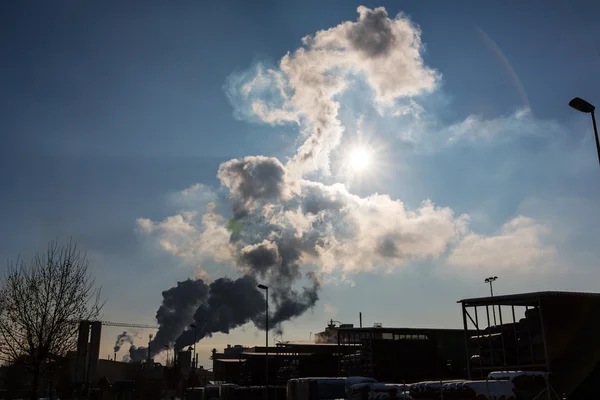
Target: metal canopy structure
[510, 345]
[524, 299]
[552, 331]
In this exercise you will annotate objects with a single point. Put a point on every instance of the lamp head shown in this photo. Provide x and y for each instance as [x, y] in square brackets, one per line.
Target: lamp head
[581, 105]
[263, 287]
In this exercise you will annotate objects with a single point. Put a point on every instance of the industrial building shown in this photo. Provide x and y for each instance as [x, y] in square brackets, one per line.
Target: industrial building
[553, 332]
[81, 373]
[386, 354]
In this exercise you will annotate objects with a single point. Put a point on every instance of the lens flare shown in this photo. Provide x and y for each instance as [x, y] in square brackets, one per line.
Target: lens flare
[359, 159]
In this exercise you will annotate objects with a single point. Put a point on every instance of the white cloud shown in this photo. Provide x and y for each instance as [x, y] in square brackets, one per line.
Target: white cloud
[357, 234]
[385, 51]
[287, 222]
[476, 128]
[519, 246]
[194, 241]
[329, 309]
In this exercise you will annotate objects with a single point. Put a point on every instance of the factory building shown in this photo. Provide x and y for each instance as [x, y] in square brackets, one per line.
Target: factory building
[554, 332]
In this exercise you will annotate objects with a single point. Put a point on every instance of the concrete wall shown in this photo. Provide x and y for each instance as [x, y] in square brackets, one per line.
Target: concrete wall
[94, 353]
[82, 351]
[116, 371]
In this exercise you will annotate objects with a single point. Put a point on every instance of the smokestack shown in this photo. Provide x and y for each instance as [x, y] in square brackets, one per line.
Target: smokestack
[149, 343]
[94, 352]
[196, 362]
[115, 359]
[360, 319]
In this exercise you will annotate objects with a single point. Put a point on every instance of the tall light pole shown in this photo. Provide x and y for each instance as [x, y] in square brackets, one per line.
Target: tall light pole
[585, 107]
[194, 355]
[266, 289]
[490, 280]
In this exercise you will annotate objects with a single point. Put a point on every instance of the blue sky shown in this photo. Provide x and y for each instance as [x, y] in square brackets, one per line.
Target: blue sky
[110, 110]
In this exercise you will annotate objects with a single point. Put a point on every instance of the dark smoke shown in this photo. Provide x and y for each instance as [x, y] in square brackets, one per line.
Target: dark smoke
[260, 257]
[231, 303]
[173, 316]
[226, 305]
[264, 250]
[372, 34]
[252, 180]
[292, 304]
[177, 310]
[122, 338]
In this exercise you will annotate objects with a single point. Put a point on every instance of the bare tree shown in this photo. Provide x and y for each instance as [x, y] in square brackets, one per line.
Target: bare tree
[39, 303]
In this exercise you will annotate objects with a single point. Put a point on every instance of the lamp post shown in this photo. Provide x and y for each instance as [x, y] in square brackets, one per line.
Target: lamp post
[149, 344]
[585, 107]
[490, 280]
[266, 289]
[194, 355]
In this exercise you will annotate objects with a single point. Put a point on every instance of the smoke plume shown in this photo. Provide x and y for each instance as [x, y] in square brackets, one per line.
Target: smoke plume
[122, 338]
[280, 220]
[284, 229]
[219, 306]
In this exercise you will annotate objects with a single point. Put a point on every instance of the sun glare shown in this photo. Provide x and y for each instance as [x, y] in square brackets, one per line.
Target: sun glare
[359, 159]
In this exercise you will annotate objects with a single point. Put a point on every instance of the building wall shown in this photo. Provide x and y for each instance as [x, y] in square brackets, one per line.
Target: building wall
[572, 329]
[116, 371]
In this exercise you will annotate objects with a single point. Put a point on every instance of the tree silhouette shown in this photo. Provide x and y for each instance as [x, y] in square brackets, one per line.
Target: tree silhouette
[39, 301]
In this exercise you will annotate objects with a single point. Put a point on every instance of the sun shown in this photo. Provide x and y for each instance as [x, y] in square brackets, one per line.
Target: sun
[359, 159]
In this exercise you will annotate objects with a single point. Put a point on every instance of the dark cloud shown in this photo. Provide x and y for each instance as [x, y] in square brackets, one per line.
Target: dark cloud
[252, 180]
[317, 197]
[260, 257]
[372, 34]
[386, 247]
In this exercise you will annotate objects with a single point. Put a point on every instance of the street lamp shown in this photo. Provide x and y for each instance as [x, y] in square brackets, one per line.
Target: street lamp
[194, 356]
[585, 107]
[490, 280]
[266, 289]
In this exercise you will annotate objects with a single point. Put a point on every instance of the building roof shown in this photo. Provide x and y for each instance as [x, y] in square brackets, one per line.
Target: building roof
[293, 344]
[398, 330]
[524, 299]
[280, 354]
[229, 360]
